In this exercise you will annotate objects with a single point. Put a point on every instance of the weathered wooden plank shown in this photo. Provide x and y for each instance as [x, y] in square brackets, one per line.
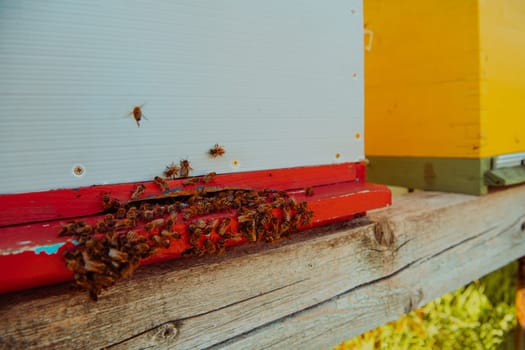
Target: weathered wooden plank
[315, 290]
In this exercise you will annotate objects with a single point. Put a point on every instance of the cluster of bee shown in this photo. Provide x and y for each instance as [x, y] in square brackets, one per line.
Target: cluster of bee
[260, 215]
[112, 249]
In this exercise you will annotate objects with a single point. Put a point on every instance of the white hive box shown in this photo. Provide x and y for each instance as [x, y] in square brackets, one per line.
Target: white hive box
[277, 83]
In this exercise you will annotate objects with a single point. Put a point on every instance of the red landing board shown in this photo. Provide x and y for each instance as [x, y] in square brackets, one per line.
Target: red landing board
[31, 251]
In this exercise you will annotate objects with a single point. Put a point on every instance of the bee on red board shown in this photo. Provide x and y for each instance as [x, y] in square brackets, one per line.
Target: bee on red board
[216, 151]
[159, 210]
[137, 114]
[132, 213]
[162, 183]
[171, 171]
[161, 241]
[109, 220]
[92, 265]
[210, 246]
[110, 203]
[124, 224]
[148, 214]
[308, 191]
[190, 181]
[209, 177]
[152, 225]
[118, 255]
[185, 168]
[101, 227]
[121, 213]
[223, 226]
[139, 191]
[170, 234]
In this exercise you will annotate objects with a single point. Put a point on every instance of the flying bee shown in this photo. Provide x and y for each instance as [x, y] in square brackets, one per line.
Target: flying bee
[216, 151]
[137, 114]
[139, 191]
[171, 171]
[185, 168]
[162, 183]
[308, 191]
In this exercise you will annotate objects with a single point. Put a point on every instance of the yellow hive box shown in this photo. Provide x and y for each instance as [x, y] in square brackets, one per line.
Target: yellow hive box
[445, 93]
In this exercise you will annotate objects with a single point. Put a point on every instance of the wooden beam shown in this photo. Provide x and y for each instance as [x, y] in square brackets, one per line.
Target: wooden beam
[316, 290]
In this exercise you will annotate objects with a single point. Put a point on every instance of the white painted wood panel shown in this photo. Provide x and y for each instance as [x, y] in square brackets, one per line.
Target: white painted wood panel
[278, 83]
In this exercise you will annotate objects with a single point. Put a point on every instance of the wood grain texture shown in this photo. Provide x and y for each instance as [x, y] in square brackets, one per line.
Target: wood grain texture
[313, 291]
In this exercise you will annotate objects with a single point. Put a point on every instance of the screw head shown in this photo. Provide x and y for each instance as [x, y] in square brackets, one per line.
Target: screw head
[78, 170]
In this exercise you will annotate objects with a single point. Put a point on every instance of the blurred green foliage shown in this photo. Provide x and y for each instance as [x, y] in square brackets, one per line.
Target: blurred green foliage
[480, 315]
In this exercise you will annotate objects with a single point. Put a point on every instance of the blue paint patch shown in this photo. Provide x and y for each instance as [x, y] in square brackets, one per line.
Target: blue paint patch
[176, 189]
[49, 249]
